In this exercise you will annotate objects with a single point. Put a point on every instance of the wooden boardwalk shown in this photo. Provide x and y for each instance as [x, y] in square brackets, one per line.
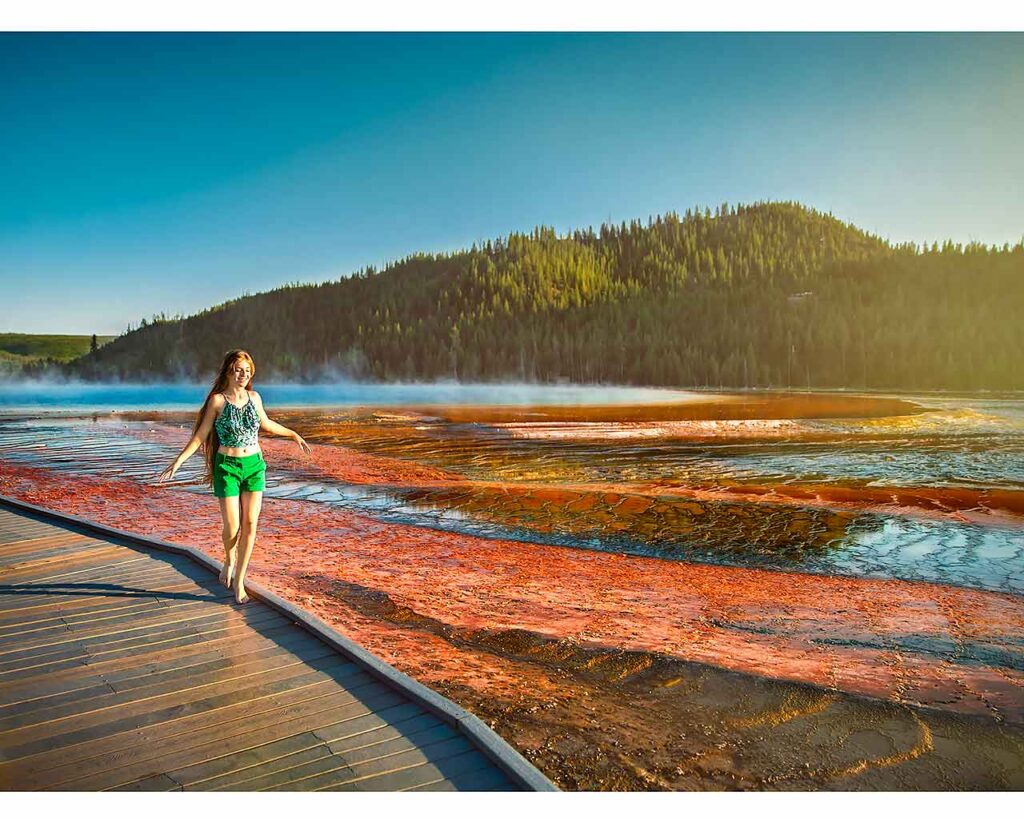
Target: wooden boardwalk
[125, 665]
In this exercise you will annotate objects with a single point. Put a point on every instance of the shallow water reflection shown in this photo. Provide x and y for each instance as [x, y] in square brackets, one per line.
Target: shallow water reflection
[873, 497]
[946, 447]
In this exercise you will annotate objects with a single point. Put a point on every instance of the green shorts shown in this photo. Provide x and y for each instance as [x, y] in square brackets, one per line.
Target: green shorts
[233, 474]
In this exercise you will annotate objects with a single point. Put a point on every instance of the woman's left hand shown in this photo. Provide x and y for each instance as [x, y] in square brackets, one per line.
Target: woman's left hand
[302, 444]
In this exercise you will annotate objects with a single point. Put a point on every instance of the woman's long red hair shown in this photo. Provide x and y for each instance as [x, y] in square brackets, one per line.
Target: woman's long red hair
[220, 384]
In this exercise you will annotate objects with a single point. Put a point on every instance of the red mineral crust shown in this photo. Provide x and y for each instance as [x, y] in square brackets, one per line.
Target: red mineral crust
[369, 579]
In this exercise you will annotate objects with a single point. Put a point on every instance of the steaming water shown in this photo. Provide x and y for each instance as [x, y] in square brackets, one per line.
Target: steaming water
[86, 396]
[959, 444]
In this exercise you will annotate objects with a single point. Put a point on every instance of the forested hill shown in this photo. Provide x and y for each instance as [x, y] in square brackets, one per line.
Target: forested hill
[770, 295]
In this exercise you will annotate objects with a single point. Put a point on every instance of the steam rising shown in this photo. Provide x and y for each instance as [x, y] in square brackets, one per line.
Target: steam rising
[52, 394]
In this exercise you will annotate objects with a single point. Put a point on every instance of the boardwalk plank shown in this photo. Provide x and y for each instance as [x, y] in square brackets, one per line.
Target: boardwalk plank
[354, 744]
[160, 783]
[73, 693]
[109, 611]
[53, 636]
[349, 716]
[66, 543]
[76, 556]
[167, 707]
[406, 778]
[91, 623]
[108, 696]
[372, 720]
[101, 577]
[70, 659]
[243, 717]
[90, 567]
[113, 668]
[144, 637]
[127, 669]
[232, 771]
[52, 539]
[12, 534]
[194, 612]
[141, 581]
[113, 768]
[421, 731]
[283, 769]
[79, 568]
[73, 556]
[393, 768]
[386, 749]
[39, 602]
[484, 778]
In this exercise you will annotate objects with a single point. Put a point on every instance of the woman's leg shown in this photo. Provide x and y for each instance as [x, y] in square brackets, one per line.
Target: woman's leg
[251, 504]
[229, 515]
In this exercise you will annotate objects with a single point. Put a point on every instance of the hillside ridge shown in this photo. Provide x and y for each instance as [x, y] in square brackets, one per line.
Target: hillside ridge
[773, 294]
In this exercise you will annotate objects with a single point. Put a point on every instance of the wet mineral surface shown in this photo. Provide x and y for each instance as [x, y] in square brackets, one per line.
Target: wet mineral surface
[626, 625]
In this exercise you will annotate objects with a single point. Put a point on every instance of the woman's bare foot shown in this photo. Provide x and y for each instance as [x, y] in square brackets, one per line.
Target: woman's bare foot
[240, 595]
[225, 575]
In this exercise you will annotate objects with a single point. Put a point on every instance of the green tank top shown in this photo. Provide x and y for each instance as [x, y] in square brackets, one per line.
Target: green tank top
[238, 426]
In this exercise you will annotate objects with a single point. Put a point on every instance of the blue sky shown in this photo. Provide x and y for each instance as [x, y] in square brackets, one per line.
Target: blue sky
[170, 172]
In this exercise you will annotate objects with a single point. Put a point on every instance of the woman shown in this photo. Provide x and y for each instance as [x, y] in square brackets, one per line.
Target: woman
[227, 427]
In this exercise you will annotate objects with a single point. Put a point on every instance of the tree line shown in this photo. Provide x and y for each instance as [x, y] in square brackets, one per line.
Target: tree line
[765, 295]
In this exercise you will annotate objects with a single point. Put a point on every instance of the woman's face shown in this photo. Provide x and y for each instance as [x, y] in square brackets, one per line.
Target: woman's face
[240, 372]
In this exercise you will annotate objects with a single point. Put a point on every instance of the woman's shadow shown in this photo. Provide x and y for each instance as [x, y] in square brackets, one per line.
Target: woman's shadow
[104, 590]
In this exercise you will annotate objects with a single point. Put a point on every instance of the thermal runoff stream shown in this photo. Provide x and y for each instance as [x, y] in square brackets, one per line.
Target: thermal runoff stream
[637, 588]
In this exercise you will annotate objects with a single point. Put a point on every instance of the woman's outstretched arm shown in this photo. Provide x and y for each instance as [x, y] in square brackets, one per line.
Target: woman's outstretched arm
[196, 440]
[275, 428]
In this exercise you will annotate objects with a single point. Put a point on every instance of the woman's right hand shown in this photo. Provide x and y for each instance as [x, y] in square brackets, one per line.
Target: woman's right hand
[168, 473]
